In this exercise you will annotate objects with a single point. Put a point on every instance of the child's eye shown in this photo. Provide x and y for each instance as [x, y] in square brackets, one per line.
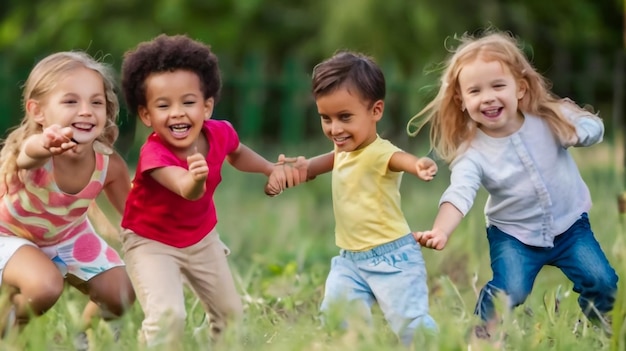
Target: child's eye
[69, 101]
[161, 106]
[189, 102]
[345, 116]
[325, 119]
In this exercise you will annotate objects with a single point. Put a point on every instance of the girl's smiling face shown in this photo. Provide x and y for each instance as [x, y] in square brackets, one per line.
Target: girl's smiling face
[176, 108]
[490, 94]
[77, 101]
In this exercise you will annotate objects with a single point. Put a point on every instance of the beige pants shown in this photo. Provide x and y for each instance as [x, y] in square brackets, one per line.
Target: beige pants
[158, 271]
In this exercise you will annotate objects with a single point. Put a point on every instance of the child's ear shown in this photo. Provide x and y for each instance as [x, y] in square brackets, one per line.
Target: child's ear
[208, 108]
[377, 109]
[521, 89]
[144, 116]
[33, 109]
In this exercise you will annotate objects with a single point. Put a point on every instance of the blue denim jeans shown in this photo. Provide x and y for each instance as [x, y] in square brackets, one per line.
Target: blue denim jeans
[576, 252]
[393, 275]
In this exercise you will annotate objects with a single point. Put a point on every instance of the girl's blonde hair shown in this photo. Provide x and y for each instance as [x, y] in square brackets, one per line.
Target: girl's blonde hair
[40, 83]
[451, 128]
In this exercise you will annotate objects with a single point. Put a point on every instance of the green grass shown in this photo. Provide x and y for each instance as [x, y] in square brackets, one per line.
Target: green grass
[281, 254]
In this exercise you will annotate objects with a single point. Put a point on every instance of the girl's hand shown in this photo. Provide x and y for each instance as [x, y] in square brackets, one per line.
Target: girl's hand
[57, 140]
[426, 168]
[288, 172]
[198, 168]
[432, 239]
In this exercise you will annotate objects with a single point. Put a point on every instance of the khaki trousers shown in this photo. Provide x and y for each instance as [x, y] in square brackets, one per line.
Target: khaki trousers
[158, 272]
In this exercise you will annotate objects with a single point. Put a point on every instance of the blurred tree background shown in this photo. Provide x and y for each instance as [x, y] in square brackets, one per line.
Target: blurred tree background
[267, 49]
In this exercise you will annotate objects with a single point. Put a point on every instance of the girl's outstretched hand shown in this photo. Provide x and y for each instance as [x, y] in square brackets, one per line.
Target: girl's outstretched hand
[432, 239]
[426, 168]
[288, 172]
[57, 140]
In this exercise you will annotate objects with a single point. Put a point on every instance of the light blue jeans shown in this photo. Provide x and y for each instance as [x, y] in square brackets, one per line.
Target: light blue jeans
[576, 252]
[393, 275]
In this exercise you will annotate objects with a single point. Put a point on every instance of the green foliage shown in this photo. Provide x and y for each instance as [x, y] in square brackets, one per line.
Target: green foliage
[283, 39]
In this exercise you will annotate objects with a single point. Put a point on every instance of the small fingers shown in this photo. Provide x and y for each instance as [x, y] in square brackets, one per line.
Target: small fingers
[271, 190]
[289, 181]
[281, 159]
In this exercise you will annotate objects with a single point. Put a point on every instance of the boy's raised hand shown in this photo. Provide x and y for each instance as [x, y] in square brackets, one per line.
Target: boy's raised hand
[426, 168]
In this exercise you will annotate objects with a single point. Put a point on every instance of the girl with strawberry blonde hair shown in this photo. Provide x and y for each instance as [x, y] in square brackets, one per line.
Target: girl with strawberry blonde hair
[499, 126]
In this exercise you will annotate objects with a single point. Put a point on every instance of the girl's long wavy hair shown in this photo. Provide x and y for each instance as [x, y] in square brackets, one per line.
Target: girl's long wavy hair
[41, 82]
[451, 128]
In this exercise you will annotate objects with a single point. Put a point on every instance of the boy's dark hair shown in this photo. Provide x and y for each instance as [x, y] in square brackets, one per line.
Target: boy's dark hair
[352, 70]
[167, 54]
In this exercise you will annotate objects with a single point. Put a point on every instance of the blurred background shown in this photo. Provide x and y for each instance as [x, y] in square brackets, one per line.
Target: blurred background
[267, 49]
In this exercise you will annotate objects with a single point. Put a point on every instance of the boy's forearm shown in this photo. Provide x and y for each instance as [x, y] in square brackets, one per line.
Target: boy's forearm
[320, 164]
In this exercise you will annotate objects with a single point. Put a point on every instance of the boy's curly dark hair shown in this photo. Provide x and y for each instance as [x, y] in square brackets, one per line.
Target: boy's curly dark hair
[167, 53]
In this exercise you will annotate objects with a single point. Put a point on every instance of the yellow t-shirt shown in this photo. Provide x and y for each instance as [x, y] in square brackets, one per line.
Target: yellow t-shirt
[366, 198]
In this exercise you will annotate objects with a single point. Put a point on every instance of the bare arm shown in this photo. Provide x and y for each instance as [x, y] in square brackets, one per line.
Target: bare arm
[320, 164]
[38, 148]
[247, 160]
[116, 189]
[117, 182]
[189, 184]
[102, 223]
[423, 167]
[448, 218]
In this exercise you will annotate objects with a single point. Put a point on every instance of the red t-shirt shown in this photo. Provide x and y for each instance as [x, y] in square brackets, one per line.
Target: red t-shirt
[157, 213]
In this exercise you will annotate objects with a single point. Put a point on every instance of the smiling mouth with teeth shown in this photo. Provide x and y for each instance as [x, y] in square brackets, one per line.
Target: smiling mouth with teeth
[492, 112]
[179, 127]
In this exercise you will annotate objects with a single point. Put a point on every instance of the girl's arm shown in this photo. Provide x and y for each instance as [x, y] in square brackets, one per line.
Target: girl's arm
[247, 160]
[117, 182]
[189, 184]
[448, 218]
[102, 223]
[589, 127]
[38, 148]
[116, 188]
[423, 167]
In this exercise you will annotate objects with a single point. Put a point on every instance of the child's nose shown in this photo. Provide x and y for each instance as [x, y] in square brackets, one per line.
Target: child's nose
[85, 109]
[336, 128]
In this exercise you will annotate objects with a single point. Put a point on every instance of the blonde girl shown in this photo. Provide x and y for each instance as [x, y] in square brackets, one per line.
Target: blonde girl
[52, 167]
[498, 125]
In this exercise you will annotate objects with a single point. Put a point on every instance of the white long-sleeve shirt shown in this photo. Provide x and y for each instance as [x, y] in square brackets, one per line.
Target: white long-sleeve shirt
[535, 189]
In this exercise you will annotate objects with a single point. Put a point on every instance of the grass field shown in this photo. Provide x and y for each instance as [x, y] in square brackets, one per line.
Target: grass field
[281, 254]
